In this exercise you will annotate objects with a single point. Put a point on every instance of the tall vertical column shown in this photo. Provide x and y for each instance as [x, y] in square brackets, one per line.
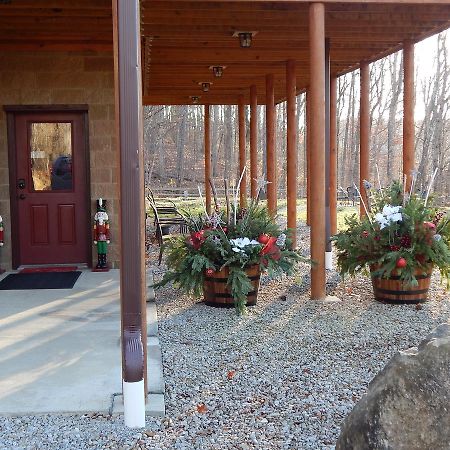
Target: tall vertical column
[333, 155]
[253, 141]
[242, 156]
[328, 247]
[129, 123]
[270, 145]
[207, 127]
[308, 157]
[364, 132]
[408, 111]
[291, 144]
[317, 146]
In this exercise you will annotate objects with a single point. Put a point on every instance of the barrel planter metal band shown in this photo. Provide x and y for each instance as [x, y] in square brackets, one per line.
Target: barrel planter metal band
[394, 290]
[217, 293]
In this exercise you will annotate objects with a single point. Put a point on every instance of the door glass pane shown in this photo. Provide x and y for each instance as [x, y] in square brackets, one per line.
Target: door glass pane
[51, 156]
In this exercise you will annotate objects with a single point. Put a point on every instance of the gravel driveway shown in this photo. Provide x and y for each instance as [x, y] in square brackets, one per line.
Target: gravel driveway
[282, 377]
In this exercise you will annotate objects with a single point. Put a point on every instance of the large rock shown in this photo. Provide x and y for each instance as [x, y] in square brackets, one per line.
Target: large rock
[407, 406]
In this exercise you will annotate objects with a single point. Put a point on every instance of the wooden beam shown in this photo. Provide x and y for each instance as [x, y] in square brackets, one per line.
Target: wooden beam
[364, 133]
[271, 157]
[253, 141]
[308, 157]
[133, 285]
[291, 151]
[333, 155]
[328, 247]
[207, 126]
[242, 155]
[317, 144]
[408, 111]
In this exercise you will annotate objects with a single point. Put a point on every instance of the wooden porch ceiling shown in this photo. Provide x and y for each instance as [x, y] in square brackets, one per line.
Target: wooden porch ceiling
[183, 38]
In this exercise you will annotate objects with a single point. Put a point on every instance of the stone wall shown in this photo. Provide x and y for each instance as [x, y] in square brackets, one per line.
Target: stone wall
[65, 78]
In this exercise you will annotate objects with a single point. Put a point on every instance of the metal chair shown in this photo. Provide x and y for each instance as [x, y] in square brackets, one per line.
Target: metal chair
[161, 222]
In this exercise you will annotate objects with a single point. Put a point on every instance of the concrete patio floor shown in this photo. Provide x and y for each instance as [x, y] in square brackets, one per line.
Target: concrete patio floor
[60, 349]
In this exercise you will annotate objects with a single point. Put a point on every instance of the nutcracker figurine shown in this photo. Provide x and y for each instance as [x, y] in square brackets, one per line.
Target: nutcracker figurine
[101, 235]
[1, 237]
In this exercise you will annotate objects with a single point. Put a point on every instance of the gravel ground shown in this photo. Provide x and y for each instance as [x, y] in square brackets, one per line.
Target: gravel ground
[282, 377]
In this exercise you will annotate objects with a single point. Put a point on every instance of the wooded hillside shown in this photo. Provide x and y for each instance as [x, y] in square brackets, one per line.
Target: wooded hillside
[174, 134]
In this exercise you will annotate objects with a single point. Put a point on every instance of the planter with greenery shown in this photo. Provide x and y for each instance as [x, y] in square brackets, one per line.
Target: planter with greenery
[225, 252]
[399, 240]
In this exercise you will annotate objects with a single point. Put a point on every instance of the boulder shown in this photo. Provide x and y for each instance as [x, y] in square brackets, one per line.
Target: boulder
[407, 406]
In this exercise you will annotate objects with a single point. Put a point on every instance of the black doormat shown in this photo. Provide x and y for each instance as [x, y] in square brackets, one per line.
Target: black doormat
[39, 280]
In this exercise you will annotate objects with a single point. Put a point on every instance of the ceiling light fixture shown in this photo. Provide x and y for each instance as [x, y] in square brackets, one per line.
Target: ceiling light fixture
[195, 99]
[205, 86]
[217, 70]
[245, 37]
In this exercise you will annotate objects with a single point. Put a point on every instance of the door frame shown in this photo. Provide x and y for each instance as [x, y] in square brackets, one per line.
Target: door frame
[11, 112]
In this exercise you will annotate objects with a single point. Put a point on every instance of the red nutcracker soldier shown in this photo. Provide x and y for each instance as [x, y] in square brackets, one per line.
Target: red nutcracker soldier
[101, 235]
[1, 237]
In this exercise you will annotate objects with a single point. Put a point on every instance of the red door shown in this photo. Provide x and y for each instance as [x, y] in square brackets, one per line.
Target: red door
[51, 188]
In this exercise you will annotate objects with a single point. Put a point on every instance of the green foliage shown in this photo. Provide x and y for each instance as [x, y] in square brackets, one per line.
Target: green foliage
[214, 244]
[421, 238]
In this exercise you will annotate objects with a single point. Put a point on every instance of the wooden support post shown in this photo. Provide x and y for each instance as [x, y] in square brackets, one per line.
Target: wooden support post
[317, 146]
[129, 123]
[308, 158]
[333, 155]
[253, 141]
[328, 248]
[242, 156]
[292, 158]
[271, 156]
[207, 126]
[408, 111]
[364, 127]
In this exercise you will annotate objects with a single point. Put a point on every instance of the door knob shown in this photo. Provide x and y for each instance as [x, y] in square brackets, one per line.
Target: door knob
[22, 196]
[21, 183]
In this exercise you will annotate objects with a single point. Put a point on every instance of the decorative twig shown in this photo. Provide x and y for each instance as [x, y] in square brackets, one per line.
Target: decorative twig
[236, 194]
[227, 200]
[378, 177]
[364, 205]
[429, 186]
[203, 202]
[404, 188]
[214, 192]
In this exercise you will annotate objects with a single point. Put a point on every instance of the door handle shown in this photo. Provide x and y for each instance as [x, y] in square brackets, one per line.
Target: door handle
[22, 196]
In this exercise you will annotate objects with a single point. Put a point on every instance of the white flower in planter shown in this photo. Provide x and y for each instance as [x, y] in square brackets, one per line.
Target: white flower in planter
[390, 214]
[240, 243]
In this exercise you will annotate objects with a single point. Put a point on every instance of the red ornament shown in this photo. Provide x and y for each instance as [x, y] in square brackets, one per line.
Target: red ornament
[197, 239]
[365, 234]
[401, 262]
[225, 229]
[209, 272]
[429, 225]
[263, 239]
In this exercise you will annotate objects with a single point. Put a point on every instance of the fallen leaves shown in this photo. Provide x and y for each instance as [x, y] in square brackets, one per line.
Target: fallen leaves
[231, 374]
[201, 408]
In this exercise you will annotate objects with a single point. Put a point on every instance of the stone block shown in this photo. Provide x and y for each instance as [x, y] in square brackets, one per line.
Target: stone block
[406, 406]
[71, 96]
[101, 175]
[98, 112]
[99, 64]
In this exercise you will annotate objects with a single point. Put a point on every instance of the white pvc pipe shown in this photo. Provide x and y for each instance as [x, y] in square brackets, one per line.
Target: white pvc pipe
[328, 260]
[134, 404]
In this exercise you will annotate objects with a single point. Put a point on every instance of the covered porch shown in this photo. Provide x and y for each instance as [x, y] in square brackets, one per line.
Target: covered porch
[169, 52]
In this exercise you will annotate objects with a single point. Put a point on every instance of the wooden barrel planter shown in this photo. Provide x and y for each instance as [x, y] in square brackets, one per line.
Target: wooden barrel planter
[394, 290]
[217, 293]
